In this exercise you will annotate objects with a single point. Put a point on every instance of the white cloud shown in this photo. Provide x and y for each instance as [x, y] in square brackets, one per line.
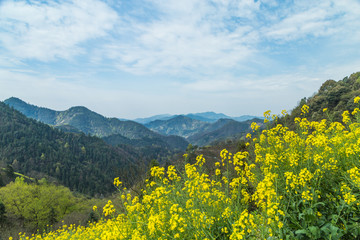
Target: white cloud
[186, 36]
[45, 31]
[314, 19]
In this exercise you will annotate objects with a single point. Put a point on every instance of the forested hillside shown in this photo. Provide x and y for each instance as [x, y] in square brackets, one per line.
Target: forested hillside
[331, 100]
[83, 163]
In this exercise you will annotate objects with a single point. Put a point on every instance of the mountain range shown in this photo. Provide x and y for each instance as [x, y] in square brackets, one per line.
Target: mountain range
[209, 117]
[81, 119]
[202, 133]
[173, 132]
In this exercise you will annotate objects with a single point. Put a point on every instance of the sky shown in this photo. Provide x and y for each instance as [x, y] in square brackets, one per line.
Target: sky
[139, 58]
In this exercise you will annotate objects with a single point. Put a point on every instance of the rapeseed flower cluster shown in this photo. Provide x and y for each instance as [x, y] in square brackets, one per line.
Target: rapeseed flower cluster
[291, 184]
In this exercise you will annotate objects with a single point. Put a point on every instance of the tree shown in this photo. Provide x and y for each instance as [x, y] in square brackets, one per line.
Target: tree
[10, 171]
[2, 213]
[37, 204]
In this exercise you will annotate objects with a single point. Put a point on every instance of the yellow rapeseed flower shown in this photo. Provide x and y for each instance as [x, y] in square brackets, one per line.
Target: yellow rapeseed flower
[346, 117]
[117, 182]
[356, 99]
[305, 109]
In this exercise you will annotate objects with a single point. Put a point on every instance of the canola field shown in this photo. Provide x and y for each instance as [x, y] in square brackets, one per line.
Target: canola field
[301, 184]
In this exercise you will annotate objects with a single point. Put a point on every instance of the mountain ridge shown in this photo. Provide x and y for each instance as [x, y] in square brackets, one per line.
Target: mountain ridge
[89, 122]
[201, 133]
[171, 131]
[203, 116]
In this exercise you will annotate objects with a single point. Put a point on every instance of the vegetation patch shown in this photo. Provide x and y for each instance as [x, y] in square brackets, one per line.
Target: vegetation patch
[291, 184]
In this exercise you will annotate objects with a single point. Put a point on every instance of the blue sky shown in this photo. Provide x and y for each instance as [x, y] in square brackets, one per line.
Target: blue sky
[139, 58]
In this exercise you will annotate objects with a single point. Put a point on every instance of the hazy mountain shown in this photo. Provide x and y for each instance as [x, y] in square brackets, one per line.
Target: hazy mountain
[82, 163]
[180, 126]
[246, 117]
[153, 118]
[199, 132]
[89, 122]
[115, 131]
[221, 130]
[214, 126]
[41, 114]
[209, 117]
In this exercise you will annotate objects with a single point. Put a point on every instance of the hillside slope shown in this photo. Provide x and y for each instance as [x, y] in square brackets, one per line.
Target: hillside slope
[334, 96]
[82, 163]
[180, 126]
[225, 129]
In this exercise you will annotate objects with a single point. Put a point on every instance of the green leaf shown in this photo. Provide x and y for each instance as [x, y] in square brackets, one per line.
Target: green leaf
[301, 231]
[315, 231]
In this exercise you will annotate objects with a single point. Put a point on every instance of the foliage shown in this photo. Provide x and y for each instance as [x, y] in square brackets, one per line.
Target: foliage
[2, 213]
[149, 148]
[335, 96]
[37, 204]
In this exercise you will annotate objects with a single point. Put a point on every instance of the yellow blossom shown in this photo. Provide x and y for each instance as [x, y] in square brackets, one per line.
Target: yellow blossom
[356, 99]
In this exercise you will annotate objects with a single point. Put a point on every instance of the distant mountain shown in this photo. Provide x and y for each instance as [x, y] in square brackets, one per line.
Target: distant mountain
[215, 126]
[89, 122]
[199, 132]
[222, 130]
[155, 133]
[246, 117]
[83, 163]
[180, 126]
[209, 117]
[39, 113]
[153, 118]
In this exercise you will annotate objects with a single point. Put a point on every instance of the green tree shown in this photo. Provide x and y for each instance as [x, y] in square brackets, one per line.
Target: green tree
[10, 171]
[37, 204]
[2, 213]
